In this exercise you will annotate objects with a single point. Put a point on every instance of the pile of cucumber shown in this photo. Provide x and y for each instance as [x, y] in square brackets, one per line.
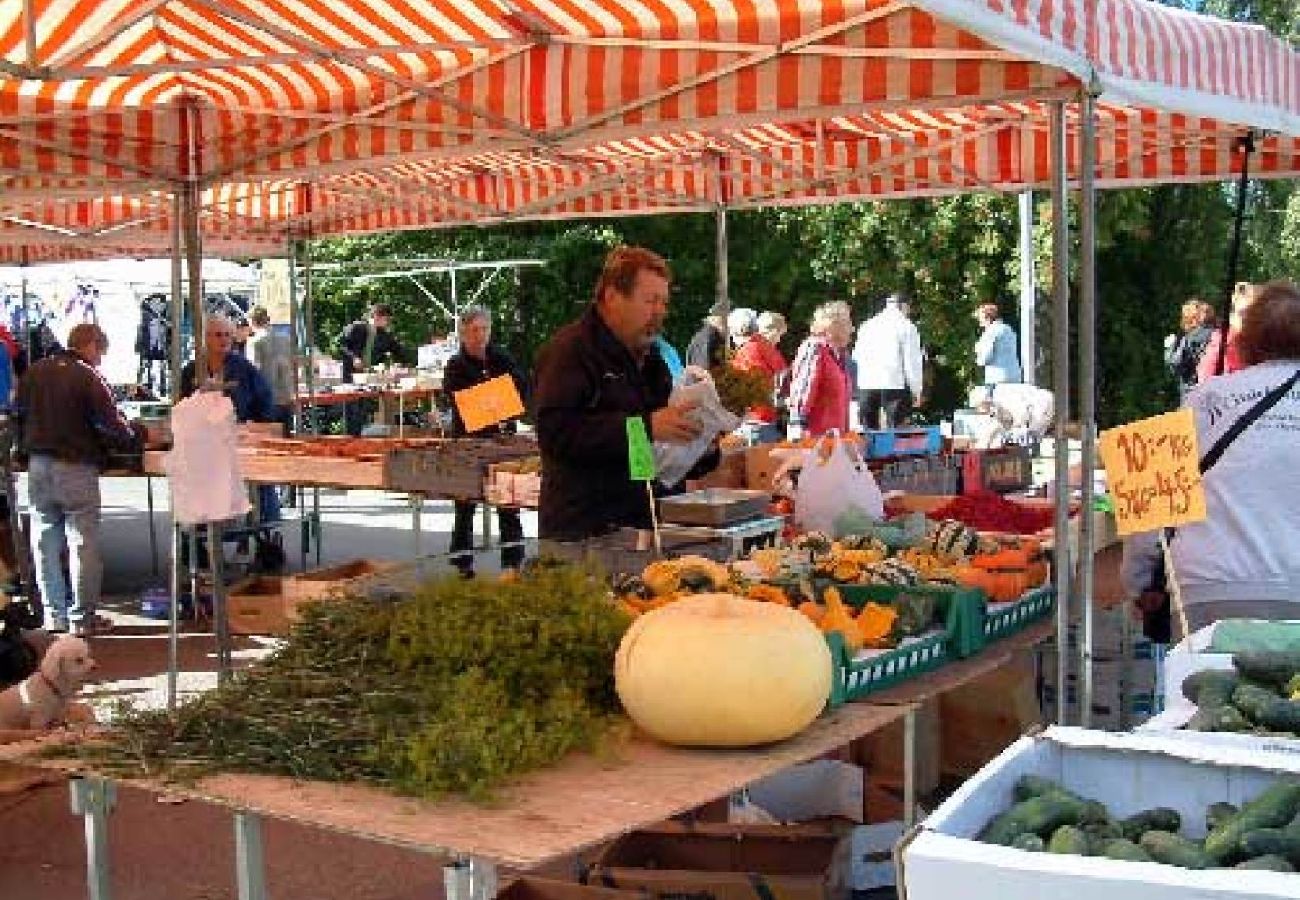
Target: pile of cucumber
[1263, 834]
[1261, 695]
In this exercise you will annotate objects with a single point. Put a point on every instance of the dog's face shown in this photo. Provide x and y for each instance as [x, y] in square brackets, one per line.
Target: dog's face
[68, 663]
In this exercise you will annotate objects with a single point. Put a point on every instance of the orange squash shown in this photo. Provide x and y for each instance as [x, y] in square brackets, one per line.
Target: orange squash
[876, 625]
[812, 611]
[839, 618]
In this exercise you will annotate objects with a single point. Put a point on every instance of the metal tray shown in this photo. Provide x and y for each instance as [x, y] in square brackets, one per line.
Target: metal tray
[714, 506]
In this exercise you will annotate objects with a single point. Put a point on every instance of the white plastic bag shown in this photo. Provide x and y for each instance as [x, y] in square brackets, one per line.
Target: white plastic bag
[832, 483]
[673, 461]
[203, 465]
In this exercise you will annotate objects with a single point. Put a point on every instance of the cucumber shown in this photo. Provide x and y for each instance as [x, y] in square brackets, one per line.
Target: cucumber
[1161, 818]
[1267, 709]
[1275, 807]
[1216, 813]
[1275, 667]
[1272, 842]
[1218, 718]
[1174, 850]
[1070, 841]
[1210, 687]
[1037, 815]
[1031, 842]
[1124, 849]
[1030, 786]
[1103, 831]
[1266, 864]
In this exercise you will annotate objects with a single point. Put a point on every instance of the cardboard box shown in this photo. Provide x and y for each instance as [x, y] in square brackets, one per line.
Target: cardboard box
[533, 888]
[707, 861]
[730, 473]
[1126, 772]
[256, 606]
[314, 584]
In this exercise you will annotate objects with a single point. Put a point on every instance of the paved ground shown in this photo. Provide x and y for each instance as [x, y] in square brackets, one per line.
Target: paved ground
[164, 851]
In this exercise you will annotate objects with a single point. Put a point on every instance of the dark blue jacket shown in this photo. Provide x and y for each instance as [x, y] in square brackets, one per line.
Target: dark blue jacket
[245, 386]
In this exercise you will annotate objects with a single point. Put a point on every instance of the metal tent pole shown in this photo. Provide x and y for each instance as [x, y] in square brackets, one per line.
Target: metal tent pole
[1247, 144]
[174, 391]
[1061, 386]
[295, 343]
[309, 332]
[27, 318]
[720, 235]
[1087, 379]
[1028, 292]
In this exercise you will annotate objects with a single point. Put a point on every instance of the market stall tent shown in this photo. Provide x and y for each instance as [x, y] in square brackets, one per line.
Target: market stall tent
[311, 117]
[240, 125]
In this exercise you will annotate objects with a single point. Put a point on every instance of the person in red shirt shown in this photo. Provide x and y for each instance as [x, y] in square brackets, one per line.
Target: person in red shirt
[755, 353]
[819, 381]
[1242, 297]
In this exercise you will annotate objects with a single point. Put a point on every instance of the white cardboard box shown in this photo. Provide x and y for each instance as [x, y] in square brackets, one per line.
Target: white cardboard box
[1127, 772]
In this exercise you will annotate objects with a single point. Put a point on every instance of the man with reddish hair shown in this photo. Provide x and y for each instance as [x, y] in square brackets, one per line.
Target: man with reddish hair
[593, 375]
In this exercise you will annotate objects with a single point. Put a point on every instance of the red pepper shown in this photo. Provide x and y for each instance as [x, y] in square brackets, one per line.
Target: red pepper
[986, 511]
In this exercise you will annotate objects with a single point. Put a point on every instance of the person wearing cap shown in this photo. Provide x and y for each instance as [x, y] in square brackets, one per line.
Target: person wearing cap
[755, 353]
[890, 366]
[708, 348]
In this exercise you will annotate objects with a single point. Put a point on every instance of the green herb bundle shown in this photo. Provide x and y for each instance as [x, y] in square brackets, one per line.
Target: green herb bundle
[452, 689]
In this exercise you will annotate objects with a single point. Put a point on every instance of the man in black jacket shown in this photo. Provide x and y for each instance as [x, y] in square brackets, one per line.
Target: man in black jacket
[67, 422]
[363, 345]
[477, 361]
[595, 374]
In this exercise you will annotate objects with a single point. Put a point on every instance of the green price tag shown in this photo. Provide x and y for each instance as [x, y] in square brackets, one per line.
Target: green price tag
[640, 455]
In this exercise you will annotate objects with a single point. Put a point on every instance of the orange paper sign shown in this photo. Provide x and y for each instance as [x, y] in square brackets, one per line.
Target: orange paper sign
[1153, 468]
[488, 403]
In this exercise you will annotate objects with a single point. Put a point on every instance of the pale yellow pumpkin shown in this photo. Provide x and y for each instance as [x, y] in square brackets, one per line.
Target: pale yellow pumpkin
[716, 670]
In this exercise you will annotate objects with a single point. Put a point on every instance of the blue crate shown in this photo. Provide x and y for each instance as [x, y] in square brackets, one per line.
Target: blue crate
[922, 440]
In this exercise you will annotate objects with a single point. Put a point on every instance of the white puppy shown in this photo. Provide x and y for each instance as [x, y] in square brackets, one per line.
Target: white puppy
[40, 701]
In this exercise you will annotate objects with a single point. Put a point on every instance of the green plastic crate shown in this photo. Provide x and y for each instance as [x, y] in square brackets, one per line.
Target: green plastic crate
[961, 609]
[1002, 619]
[854, 679]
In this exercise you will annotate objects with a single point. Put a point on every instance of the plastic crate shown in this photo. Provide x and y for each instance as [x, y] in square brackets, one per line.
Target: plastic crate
[1002, 619]
[962, 609]
[919, 441]
[854, 678]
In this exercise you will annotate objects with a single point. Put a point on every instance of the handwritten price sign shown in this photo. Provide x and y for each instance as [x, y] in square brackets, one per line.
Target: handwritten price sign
[1154, 474]
[488, 403]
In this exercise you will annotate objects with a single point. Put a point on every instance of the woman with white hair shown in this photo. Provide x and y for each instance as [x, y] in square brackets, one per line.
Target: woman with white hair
[755, 353]
[772, 326]
[819, 384]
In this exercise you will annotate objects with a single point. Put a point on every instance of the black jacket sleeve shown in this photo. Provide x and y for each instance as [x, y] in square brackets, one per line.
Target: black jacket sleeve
[568, 424]
[456, 377]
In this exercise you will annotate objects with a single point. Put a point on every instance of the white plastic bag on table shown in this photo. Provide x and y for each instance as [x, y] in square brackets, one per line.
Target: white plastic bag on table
[203, 465]
[673, 461]
[831, 483]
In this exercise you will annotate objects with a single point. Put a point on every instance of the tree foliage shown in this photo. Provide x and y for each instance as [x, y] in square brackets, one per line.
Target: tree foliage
[1156, 248]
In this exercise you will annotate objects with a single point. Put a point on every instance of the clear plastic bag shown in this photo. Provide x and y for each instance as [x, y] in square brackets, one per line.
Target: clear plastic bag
[831, 484]
[673, 461]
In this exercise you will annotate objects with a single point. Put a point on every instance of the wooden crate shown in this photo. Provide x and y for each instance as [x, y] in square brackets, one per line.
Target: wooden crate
[256, 606]
[314, 584]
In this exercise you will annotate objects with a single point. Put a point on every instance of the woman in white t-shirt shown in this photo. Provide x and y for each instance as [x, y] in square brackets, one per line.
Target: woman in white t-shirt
[1243, 561]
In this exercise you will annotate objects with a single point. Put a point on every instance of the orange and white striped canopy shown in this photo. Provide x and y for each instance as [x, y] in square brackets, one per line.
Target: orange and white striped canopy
[318, 117]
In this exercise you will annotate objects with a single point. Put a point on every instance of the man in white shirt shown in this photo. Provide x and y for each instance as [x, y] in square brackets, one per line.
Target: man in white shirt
[889, 362]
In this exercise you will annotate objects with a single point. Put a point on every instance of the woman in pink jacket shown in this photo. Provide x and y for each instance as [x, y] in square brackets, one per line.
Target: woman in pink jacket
[819, 381]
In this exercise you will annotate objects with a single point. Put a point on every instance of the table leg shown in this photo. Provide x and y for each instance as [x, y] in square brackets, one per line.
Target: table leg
[93, 799]
[173, 619]
[250, 866]
[153, 534]
[304, 532]
[482, 879]
[417, 509]
[909, 767]
[315, 520]
[486, 510]
[220, 624]
[457, 883]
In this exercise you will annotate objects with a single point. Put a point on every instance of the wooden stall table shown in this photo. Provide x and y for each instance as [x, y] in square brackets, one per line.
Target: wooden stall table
[547, 816]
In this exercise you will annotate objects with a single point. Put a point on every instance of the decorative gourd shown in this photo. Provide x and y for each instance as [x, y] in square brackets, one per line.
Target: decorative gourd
[915, 613]
[893, 571]
[876, 625]
[716, 670]
[839, 618]
[768, 593]
[952, 538]
[661, 577]
[812, 611]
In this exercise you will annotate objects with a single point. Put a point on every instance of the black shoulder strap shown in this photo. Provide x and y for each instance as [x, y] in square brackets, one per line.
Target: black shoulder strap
[1267, 402]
